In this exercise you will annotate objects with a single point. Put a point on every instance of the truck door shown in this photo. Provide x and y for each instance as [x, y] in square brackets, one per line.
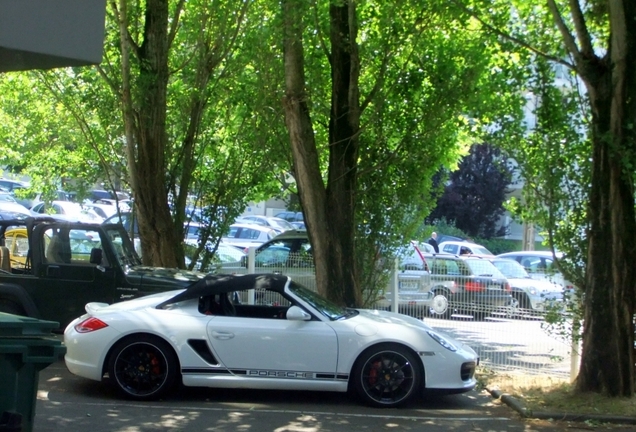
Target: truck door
[67, 278]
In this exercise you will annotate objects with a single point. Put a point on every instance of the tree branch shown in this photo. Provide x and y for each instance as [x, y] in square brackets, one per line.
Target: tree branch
[123, 26]
[516, 40]
[582, 33]
[321, 39]
[175, 23]
[568, 39]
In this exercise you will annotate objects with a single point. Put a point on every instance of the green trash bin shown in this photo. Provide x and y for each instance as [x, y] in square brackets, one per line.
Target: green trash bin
[26, 347]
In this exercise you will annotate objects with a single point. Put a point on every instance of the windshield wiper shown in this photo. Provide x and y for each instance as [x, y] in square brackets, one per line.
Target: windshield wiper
[349, 313]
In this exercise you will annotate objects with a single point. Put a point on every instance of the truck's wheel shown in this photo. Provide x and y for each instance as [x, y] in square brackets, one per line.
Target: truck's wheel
[11, 307]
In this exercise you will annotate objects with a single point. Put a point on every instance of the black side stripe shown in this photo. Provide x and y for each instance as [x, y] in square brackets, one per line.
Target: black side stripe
[255, 374]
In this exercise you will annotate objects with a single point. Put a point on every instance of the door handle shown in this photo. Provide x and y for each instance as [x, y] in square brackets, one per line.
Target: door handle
[222, 335]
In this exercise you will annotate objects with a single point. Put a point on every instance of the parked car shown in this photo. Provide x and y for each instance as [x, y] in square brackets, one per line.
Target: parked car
[210, 335]
[98, 194]
[414, 282]
[71, 210]
[277, 224]
[18, 188]
[224, 255]
[247, 235]
[290, 216]
[466, 285]
[299, 225]
[480, 288]
[127, 218]
[530, 295]
[16, 241]
[124, 205]
[464, 248]
[288, 253]
[9, 206]
[540, 265]
[103, 210]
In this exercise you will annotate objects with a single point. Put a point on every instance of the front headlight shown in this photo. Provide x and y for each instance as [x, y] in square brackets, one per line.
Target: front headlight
[440, 340]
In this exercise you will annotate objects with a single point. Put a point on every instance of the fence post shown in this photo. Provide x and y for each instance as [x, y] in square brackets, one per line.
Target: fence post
[251, 269]
[395, 301]
[575, 351]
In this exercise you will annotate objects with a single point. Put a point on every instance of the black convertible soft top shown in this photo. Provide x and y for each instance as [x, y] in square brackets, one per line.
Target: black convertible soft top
[224, 283]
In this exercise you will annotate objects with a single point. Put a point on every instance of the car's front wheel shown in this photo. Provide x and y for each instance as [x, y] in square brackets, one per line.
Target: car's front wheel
[386, 376]
[143, 367]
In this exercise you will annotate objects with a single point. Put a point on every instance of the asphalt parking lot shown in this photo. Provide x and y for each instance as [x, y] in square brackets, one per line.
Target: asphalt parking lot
[66, 402]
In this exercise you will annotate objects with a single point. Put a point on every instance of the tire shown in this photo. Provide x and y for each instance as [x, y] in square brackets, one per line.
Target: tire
[11, 307]
[513, 310]
[524, 307]
[386, 376]
[143, 367]
[523, 300]
[440, 305]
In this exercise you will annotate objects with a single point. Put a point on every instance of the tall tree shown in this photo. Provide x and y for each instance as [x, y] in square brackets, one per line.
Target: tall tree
[164, 112]
[392, 109]
[595, 40]
[476, 192]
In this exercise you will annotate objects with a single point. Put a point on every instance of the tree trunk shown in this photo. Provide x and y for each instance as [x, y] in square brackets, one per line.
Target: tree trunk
[159, 241]
[344, 128]
[329, 212]
[607, 361]
[305, 155]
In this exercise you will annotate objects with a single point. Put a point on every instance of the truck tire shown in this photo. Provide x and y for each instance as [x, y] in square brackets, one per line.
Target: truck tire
[11, 307]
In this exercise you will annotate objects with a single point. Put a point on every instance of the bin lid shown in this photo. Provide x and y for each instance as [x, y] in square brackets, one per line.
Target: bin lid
[17, 326]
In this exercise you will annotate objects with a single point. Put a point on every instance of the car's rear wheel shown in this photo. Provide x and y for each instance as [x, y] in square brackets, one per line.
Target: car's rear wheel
[143, 367]
[386, 376]
[440, 305]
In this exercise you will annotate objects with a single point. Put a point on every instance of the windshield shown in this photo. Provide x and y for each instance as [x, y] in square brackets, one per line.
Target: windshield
[123, 247]
[481, 267]
[321, 304]
[480, 250]
[511, 269]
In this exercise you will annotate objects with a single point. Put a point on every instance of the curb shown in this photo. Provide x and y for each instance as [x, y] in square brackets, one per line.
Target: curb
[518, 406]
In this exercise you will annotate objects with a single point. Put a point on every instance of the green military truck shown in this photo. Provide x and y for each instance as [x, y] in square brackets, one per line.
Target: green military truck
[50, 268]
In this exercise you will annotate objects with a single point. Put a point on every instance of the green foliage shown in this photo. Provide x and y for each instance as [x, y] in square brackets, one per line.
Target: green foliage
[556, 197]
[428, 87]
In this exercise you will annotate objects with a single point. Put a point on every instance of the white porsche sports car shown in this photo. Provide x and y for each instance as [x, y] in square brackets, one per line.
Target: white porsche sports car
[263, 331]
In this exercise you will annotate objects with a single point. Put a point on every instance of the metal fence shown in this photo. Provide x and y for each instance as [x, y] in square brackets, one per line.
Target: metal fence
[506, 339]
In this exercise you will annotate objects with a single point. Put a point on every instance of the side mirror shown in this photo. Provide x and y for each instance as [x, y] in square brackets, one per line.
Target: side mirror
[96, 256]
[294, 313]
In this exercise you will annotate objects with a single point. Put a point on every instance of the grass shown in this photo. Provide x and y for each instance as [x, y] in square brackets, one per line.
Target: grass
[550, 394]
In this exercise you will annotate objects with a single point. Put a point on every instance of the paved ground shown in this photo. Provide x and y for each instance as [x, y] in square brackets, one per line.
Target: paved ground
[68, 403]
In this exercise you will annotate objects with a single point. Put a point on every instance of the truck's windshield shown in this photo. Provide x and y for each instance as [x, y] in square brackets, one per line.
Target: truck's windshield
[123, 247]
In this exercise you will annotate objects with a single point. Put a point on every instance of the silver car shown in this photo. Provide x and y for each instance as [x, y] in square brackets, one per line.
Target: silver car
[530, 295]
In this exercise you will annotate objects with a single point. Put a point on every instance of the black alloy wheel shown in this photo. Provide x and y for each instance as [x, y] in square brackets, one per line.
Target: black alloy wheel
[387, 376]
[143, 367]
